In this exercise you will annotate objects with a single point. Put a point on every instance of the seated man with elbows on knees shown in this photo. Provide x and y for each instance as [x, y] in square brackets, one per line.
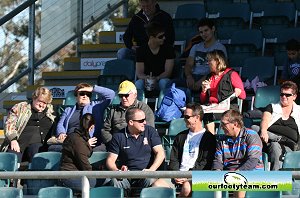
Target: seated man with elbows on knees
[138, 147]
[192, 149]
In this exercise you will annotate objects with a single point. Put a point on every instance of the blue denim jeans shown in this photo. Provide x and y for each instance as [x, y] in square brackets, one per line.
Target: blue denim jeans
[162, 84]
[126, 53]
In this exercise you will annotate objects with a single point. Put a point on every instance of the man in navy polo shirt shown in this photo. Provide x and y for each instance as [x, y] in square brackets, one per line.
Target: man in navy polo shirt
[135, 145]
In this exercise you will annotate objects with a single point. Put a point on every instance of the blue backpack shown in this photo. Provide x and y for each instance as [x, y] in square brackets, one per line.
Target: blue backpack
[170, 107]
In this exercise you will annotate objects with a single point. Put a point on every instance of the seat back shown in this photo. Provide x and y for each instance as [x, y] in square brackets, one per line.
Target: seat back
[291, 160]
[190, 11]
[43, 162]
[98, 160]
[8, 161]
[263, 67]
[158, 192]
[264, 194]
[208, 194]
[107, 191]
[111, 81]
[120, 67]
[265, 161]
[11, 192]
[57, 192]
[46, 161]
[266, 95]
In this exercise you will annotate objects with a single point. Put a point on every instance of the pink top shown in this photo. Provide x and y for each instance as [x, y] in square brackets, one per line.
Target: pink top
[236, 82]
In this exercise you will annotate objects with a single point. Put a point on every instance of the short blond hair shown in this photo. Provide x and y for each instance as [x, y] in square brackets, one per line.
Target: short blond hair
[44, 92]
[219, 56]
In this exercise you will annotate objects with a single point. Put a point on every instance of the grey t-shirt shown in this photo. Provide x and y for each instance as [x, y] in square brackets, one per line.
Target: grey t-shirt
[198, 52]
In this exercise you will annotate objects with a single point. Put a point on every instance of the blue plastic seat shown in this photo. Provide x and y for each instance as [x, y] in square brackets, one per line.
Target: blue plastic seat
[277, 16]
[8, 162]
[244, 44]
[190, 11]
[291, 160]
[176, 126]
[11, 192]
[57, 192]
[227, 21]
[45, 161]
[98, 160]
[158, 192]
[208, 194]
[107, 191]
[263, 194]
[120, 67]
[263, 67]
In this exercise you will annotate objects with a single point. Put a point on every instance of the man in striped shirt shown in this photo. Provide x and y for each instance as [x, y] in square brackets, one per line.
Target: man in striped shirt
[240, 148]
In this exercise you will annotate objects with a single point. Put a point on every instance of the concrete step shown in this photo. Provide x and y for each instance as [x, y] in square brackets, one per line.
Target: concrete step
[70, 78]
[99, 50]
[120, 24]
[107, 37]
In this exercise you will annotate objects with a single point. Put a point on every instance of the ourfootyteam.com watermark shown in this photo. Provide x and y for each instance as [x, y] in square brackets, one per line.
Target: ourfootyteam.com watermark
[237, 187]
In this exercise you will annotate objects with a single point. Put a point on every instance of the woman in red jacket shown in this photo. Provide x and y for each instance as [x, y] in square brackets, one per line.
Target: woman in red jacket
[221, 83]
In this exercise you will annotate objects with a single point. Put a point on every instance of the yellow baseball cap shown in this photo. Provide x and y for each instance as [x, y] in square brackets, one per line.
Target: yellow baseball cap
[126, 86]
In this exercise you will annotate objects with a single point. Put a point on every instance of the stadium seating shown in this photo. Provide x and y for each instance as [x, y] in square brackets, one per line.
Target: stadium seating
[11, 192]
[244, 44]
[190, 11]
[43, 162]
[57, 192]
[263, 67]
[120, 67]
[264, 194]
[98, 160]
[8, 162]
[175, 127]
[208, 194]
[107, 191]
[158, 192]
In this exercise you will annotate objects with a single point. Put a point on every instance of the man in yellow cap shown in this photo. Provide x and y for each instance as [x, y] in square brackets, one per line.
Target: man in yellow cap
[115, 119]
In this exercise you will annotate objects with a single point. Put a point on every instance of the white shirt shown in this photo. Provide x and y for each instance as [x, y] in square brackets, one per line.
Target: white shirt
[191, 150]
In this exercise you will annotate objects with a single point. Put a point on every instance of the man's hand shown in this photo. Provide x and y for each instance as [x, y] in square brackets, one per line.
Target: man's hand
[62, 136]
[14, 145]
[92, 141]
[180, 180]
[264, 136]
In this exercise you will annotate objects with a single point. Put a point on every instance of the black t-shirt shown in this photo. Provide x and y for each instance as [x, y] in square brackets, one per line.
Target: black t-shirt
[287, 128]
[154, 63]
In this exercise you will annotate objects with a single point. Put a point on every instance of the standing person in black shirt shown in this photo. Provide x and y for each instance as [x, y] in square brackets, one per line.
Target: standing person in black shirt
[150, 12]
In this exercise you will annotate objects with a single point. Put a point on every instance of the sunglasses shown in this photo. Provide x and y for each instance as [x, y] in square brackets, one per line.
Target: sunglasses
[140, 121]
[85, 93]
[161, 36]
[188, 117]
[124, 95]
[286, 94]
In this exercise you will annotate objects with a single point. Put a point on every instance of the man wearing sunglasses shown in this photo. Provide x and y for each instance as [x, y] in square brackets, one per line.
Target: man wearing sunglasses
[150, 12]
[155, 60]
[70, 118]
[193, 149]
[240, 149]
[115, 119]
[279, 128]
[138, 148]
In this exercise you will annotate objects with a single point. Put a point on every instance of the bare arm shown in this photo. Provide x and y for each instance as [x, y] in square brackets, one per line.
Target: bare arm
[140, 68]
[188, 70]
[168, 69]
[159, 157]
[111, 162]
[266, 118]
